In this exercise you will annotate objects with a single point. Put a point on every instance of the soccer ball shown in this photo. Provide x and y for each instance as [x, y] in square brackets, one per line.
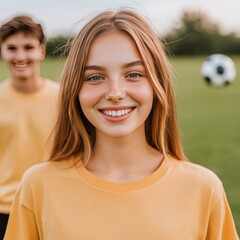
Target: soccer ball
[218, 70]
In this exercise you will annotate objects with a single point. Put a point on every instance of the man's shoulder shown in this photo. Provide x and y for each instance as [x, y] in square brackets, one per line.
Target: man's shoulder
[53, 85]
[4, 85]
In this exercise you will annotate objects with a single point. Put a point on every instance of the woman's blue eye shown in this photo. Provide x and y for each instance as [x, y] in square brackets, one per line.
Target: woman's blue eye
[94, 78]
[134, 75]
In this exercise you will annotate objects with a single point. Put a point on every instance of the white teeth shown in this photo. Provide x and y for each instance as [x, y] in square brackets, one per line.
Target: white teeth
[117, 113]
[20, 65]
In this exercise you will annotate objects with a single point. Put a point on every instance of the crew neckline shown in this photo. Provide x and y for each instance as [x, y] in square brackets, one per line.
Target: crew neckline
[123, 187]
[28, 95]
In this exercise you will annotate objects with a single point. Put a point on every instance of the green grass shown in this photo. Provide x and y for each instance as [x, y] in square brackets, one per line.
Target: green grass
[209, 121]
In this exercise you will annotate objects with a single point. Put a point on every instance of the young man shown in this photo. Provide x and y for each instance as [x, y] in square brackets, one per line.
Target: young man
[28, 107]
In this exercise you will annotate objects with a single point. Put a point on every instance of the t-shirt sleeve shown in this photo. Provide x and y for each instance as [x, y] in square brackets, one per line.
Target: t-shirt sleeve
[221, 224]
[22, 222]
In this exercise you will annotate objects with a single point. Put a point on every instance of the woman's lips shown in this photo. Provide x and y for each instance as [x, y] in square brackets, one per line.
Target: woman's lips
[116, 115]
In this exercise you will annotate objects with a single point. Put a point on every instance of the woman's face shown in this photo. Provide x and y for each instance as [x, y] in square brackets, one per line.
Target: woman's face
[116, 95]
[22, 54]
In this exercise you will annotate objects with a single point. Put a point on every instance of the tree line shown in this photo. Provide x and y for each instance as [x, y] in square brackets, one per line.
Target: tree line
[195, 35]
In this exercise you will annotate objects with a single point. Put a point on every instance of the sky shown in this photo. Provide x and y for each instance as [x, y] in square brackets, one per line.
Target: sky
[62, 17]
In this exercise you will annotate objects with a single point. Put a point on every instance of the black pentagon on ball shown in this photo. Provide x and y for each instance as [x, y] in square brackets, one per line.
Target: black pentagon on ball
[220, 70]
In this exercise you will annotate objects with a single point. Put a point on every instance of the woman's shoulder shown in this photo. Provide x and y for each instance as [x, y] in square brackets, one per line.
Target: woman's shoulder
[195, 173]
[46, 170]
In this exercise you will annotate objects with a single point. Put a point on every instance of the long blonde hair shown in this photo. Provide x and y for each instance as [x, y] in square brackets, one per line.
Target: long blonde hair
[74, 135]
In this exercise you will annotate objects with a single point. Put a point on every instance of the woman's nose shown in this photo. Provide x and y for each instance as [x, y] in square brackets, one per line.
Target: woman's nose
[116, 90]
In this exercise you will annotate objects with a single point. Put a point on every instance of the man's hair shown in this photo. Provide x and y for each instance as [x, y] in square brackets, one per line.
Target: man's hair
[22, 24]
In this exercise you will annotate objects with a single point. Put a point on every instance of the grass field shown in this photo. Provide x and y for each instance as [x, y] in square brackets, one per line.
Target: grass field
[210, 125]
[209, 121]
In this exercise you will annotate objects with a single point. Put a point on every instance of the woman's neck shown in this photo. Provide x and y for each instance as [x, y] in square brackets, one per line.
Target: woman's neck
[124, 160]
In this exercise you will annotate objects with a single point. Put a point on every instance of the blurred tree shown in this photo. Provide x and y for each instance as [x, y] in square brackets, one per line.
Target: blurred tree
[58, 46]
[197, 34]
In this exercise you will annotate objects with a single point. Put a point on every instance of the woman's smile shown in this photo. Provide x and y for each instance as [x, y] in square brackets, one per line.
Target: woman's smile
[117, 115]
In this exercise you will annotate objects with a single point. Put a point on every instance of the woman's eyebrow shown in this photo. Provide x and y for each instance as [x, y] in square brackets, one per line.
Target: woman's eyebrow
[94, 67]
[126, 65]
[132, 64]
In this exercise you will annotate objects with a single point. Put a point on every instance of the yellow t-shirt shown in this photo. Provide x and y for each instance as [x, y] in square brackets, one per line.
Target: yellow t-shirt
[26, 121]
[179, 201]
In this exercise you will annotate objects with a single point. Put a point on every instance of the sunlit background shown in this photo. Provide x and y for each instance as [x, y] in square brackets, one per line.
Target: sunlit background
[209, 117]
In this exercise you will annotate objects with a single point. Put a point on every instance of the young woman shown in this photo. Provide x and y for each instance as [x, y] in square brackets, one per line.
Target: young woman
[28, 106]
[117, 169]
